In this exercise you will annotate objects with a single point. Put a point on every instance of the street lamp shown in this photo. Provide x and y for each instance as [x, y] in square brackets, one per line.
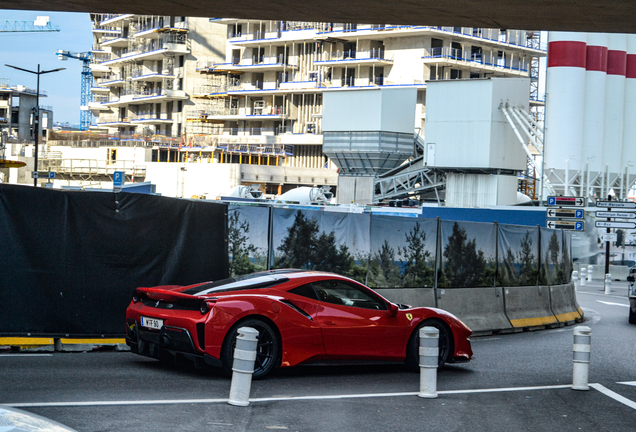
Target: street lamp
[36, 117]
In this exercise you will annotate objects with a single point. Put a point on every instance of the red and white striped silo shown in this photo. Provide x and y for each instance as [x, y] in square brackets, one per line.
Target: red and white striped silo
[629, 116]
[565, 99]
[594, 117]
[614, 102]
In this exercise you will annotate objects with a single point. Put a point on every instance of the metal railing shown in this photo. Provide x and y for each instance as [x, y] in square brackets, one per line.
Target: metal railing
[373, 54]
[475, 57]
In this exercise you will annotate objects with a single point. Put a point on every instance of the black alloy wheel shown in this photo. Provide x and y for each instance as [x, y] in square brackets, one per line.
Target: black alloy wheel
[445, 344]
[267, 348]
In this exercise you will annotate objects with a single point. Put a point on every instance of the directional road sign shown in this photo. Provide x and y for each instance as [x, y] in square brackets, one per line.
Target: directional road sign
[616, 204]
[566, 224]
[628, 225]
[620, 215]
[566, 201]
[565, 213]
[43, 174]
[610, 237]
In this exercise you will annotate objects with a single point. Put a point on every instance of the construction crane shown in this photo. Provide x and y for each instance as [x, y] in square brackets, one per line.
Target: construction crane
[41, 24]
[87, 80]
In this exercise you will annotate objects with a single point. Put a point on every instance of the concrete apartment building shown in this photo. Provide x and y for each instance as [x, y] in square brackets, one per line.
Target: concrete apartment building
[209, 104]
[17, 105]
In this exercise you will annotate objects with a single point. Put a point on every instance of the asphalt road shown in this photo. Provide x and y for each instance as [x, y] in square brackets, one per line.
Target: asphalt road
[516, 382]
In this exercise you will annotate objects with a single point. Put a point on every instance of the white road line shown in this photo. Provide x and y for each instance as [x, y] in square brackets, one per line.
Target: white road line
[613, 395]
[26, 355]
[612, 304]
[273, 399]
[629, 383]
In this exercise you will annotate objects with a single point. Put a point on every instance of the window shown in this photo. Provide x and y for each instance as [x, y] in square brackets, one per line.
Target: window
[305, 291]
[181, 61]
[343, 293]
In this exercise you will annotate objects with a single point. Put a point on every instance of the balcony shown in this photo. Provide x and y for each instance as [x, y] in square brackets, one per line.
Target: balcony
[155, 25]
[116, 40]
[97, 89]
[114, 18]
[137, 97]
[112, 80]
[113, 120]
[243, 113]
[255, 63]
[447, 56]
[153, 49]
[152, 74]
[99, 103]
[151, 117]
[373, 57]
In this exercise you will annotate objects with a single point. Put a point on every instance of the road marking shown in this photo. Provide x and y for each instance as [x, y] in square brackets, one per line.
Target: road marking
[26, 355]
[613, 395]
[629, 383]
[612, 304]
[272, 399]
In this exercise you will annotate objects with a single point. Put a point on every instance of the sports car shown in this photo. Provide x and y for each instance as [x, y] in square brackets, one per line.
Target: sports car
[301, 317]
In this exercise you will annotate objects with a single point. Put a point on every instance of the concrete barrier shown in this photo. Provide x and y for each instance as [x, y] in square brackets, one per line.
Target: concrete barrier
[481, 309]
[598, 274]
[84, 345]
[529, 307]
[28, 344]
[564, 305]
[417, 297]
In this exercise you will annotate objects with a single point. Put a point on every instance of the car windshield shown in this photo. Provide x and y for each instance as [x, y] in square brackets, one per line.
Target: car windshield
[253, 281]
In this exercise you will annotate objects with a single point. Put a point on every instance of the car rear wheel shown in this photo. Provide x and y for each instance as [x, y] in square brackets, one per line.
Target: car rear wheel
[632, 315]
[267, 349]
[445, 344]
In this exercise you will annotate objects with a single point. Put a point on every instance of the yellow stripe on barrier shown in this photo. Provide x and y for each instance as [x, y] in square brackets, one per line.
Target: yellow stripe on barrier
[569, 316]
[93, 341]
[24, 341]
[531, 322]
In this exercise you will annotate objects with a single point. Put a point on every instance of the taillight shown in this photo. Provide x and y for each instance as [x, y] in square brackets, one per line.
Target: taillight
[204, 307]
[135, 297]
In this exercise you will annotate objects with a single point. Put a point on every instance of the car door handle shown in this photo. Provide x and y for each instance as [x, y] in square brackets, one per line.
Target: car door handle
[330, 323]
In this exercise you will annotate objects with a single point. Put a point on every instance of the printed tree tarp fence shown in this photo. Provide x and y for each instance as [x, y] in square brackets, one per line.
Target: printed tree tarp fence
[398, 252]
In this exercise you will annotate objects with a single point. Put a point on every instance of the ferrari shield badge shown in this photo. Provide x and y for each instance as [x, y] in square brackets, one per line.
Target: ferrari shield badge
[409, 316]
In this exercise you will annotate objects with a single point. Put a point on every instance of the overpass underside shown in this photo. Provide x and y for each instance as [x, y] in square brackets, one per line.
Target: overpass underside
[610, 16]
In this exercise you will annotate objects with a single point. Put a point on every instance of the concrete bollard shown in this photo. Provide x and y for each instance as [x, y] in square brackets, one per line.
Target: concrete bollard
[429, 358]
[608, 283]
[581, 358]
[243, 366]
[590, 271]
[583, 276]
[575, 279]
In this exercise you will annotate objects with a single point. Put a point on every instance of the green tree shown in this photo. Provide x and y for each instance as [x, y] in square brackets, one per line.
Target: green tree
[464, 265]
[240, 249]
[554, 269]
[299, 247]
[305, 248]
[383, 273]
[417, 272]
[528, 269]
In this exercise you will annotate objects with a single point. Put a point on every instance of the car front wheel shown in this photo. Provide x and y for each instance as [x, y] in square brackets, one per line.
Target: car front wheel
[445, 344]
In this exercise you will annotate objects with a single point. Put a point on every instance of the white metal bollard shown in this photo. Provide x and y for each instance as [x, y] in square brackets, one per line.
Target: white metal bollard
[581, 348]
[608, 283]
[583, 275]
[575, 279]
[590, 271]
[243, 366]
[429, 358]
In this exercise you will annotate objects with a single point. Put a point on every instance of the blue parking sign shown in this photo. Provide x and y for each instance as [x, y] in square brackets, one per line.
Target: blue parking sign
[118, 178]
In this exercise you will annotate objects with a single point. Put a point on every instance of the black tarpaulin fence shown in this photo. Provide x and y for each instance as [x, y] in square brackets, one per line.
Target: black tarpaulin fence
[69, 261]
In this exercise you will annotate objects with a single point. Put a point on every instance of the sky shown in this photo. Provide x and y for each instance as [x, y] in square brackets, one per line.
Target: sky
[27, 50]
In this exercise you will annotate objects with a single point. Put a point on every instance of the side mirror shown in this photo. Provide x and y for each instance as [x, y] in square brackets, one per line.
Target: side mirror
[393, 309]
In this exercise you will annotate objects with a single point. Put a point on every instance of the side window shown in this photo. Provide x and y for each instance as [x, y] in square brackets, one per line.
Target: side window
[305, 291]
[342, 293]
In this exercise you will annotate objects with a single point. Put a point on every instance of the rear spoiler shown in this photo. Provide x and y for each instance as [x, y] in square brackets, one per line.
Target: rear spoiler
[169, 295]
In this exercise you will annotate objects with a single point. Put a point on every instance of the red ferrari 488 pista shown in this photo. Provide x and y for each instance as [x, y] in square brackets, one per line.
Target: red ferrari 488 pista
[301, 317]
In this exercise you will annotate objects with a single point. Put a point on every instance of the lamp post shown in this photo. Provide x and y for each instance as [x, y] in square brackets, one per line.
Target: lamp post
[36, 117]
